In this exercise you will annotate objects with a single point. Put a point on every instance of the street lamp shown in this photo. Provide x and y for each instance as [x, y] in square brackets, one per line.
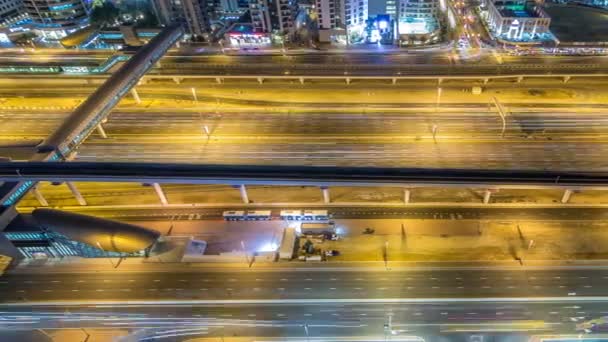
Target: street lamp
[306, 331]
[439, 92]
[194, 95]
[386, 254]
[502, 115]
[103, 250]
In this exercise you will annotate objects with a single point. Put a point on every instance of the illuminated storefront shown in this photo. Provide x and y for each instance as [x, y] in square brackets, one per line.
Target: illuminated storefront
[245, 35]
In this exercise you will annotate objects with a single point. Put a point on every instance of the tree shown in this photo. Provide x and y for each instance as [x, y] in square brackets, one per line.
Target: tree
[104, 14]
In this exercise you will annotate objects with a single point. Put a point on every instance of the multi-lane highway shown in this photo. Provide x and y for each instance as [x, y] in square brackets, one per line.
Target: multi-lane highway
[435, 303]
[435, 61]
[467, 136]
[516, 321]
[310, 283]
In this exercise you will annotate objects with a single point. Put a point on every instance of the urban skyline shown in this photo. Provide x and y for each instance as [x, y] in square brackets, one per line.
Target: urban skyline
[290, 171]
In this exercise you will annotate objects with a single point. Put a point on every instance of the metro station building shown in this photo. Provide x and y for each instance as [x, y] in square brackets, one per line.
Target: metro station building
[517, 20]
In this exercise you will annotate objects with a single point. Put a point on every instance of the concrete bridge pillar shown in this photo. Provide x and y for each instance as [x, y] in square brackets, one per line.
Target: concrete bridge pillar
[566, 196]
[347, 80]
[101, 131]
[301, 80]
[39, 196]
[567, 78]
[520, 79]
[177, 80]
[244, 196]
[135, 95]
[76, 193]
[394, 80]
[486, 80]
[487, 196]
[219, 80]
[161, 194]
[326, 197]
[439, 81]
[260, 80]
[406, 196]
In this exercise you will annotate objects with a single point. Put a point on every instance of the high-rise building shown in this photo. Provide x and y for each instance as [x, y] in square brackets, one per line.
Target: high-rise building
[333, 14]
[417, 16]
[55, 20]
[391, 8]
[10, 10]
[272, 16]
[425, 9]
[355, 12]
[194, 14]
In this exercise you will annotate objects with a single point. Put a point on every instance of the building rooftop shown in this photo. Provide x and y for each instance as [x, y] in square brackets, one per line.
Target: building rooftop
[517, 12]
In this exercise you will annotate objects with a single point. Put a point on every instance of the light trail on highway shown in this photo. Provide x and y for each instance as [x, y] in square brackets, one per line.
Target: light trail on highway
[328, 311]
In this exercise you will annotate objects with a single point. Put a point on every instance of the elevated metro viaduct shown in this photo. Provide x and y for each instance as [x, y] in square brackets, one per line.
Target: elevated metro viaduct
[89, 115]
[323, 177]
[434, 73]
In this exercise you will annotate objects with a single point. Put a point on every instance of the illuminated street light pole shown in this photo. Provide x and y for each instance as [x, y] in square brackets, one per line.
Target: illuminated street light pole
[103, 250]
[87, 335]
[194, 95]
[386, 254]
[45, 334]
[502, 115]
[306, 331]
[438, 103]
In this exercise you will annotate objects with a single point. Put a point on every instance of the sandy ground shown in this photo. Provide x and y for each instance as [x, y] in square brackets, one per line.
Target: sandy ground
[415, 239]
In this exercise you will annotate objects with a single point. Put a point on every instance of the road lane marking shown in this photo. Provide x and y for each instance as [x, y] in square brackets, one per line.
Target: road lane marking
[317, 301]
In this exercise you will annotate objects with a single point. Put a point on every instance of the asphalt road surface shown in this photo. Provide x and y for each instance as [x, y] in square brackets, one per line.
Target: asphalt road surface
[511, 214]
[433, 321]
[304, 284]
[365, 305]
[465, 138]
